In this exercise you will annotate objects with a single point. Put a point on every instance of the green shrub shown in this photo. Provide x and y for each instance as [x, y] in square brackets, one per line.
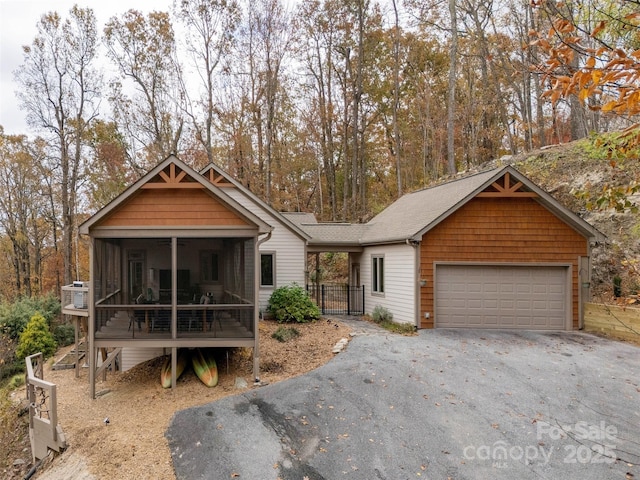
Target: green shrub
[9, 364]
[284, 334]
[14, 318]
[16, 381]
[64, 334]
[11, 368]
[291, 303]
[381, 314]
[35, 338]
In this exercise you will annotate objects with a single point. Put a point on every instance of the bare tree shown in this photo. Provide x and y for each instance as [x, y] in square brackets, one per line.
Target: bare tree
[210, 27]
[318, 33]
[263, 44]
[144, 51]
[60, 93]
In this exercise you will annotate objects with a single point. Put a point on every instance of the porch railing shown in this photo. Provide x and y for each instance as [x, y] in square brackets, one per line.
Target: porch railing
[152, 321]
[338, 299]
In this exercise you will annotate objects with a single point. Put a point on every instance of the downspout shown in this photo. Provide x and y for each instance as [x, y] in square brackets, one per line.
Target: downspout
[416, 280]
[256, 311]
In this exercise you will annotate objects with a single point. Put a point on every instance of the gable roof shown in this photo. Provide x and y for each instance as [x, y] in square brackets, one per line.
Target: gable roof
[190, 176]
[293, 226]
[414, 214]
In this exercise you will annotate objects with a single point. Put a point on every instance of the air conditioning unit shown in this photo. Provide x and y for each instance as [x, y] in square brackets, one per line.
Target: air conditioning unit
[79, 298]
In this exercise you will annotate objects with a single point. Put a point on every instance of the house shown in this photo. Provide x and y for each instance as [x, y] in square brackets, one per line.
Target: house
[491, 250]
[183, 259]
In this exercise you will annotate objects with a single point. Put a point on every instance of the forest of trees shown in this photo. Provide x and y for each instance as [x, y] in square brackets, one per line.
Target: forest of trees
[331, 106]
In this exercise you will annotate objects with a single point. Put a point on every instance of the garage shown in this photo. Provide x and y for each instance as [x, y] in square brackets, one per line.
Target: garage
[494, 296]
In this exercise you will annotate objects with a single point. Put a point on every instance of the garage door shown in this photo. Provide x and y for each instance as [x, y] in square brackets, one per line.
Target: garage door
[477, 296]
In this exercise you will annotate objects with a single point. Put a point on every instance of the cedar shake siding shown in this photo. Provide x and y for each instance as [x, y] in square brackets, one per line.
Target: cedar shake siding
[512, 230]
[171, 208]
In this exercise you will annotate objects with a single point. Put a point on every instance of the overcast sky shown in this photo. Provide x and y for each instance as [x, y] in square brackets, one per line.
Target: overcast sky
[18, 19]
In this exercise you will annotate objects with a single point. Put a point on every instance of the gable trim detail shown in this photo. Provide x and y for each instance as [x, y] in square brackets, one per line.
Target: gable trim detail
[176, 178]
[502, 188]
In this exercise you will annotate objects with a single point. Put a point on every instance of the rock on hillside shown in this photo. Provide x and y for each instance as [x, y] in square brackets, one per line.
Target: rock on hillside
[576, 174]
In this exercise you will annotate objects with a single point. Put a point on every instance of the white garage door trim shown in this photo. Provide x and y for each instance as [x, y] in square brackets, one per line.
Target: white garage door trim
[503, 296]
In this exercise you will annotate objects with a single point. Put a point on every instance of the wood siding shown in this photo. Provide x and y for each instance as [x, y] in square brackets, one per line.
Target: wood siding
[399, 281]
[173, 207]
[289, 248]
[500, 230]
[132, 356]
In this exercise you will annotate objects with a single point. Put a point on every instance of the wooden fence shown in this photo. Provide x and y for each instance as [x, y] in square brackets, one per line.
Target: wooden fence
[612, 320]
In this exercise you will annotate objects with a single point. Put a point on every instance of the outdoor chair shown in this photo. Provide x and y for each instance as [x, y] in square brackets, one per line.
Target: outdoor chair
[161, 321]
[138, 315]
[211, 315]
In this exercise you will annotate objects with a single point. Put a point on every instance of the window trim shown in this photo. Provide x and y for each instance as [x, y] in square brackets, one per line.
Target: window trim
[377, 274]
[271, 254]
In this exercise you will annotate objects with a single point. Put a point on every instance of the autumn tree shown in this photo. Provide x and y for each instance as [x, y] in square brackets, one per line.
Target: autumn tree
[266, 37]
[424, 66]
[601, 73]
[147, 99]
[451, 101]
[19, 186]
[110, 171]
[396, 96]
[593, 61]
[24, 214]
[59, 90]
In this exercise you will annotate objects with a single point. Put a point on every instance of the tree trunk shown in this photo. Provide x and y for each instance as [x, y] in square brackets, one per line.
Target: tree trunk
[396, 97]
[356, 175]
[451, 102]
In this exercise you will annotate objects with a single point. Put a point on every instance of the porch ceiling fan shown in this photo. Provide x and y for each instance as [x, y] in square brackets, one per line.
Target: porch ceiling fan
[167, 243]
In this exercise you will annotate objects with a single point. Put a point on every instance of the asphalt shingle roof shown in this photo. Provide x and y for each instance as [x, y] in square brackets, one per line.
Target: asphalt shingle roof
[415, 212]
[335, 233]
[409, 217]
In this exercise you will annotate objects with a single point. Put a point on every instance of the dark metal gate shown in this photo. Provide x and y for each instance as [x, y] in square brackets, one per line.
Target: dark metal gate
[338, 299]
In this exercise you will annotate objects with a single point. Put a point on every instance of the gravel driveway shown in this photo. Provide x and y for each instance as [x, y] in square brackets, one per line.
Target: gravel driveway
[459, 404]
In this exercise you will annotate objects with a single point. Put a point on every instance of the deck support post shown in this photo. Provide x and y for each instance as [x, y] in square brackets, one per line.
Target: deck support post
[174, 367]
[91, 324]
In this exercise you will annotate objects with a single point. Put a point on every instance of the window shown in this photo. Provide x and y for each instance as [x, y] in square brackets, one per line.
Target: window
[209, 267]
[377, 274]
[267, 270]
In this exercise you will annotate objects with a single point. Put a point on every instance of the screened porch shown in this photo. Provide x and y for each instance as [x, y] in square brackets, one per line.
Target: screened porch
[173, 291]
